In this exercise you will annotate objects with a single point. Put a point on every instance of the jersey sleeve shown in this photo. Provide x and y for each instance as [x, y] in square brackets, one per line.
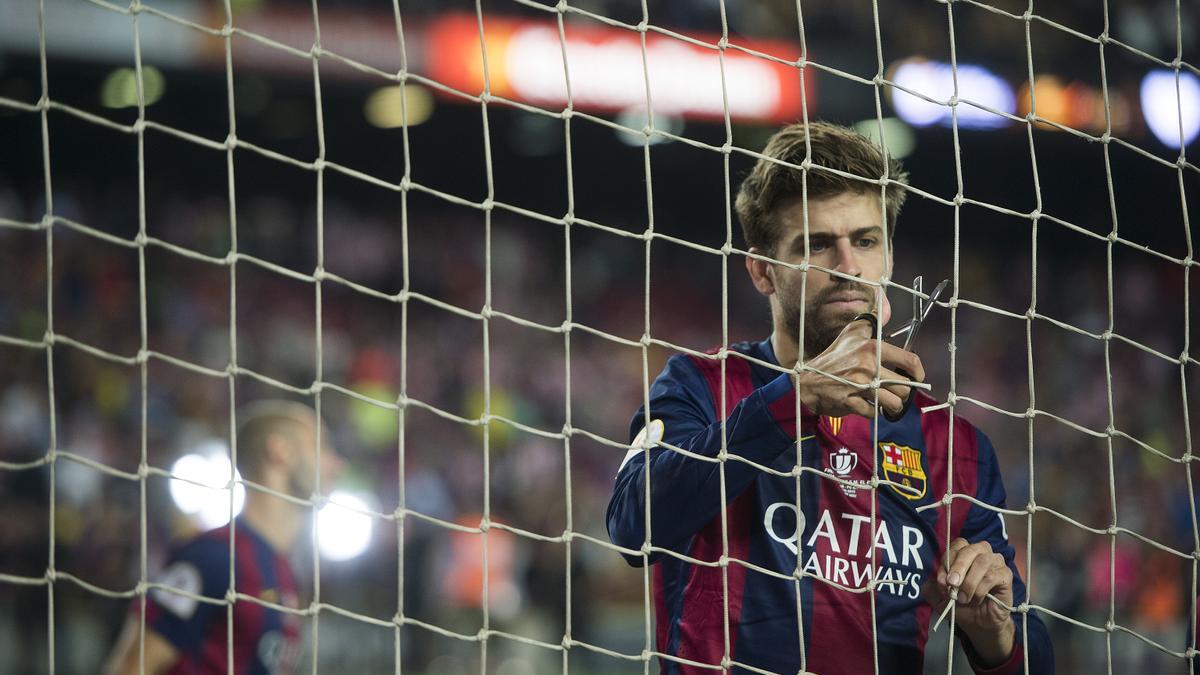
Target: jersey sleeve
[199, 568]
[685, 491]
[983, 524]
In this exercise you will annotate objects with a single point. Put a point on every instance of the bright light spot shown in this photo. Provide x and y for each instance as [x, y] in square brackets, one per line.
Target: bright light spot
[119, 89]
[900, 137]
[635, 118]
[936, 81]
[1162, 108]
[383, 106]
[343, 532]
[203, 492]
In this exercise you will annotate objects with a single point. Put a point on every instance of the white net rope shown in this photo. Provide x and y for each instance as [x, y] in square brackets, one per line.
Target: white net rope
[54, 342]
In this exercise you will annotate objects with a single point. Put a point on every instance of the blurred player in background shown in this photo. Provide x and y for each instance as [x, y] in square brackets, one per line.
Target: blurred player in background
[830, 536]
[276, 443]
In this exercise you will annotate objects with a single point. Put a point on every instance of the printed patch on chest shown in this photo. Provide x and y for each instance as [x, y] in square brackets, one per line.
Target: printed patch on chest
[842, 464]
[902, 468]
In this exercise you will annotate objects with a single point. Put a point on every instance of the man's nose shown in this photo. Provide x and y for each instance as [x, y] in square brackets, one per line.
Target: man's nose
[847, 261]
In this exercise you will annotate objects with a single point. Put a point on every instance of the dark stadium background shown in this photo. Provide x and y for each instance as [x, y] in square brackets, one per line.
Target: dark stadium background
[95, 291]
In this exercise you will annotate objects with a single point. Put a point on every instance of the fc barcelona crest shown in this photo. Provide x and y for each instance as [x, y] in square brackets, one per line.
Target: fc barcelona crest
[902, 465]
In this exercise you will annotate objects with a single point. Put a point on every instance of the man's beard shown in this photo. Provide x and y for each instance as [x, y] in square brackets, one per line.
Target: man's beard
[822, 324]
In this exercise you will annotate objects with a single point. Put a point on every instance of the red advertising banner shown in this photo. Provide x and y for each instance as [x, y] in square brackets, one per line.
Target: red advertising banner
[607, 71]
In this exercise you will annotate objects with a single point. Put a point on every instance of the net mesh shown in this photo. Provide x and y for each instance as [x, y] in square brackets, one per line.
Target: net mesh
[55, 342]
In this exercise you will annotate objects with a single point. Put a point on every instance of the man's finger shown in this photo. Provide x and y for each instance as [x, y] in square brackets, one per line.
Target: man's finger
[891, 402]
[962, 563]
[969, 591]
[950, 560]
[896, 358]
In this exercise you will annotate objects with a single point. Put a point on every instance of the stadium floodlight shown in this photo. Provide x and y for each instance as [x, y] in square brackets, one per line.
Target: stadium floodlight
[935, 80]
[383, 106]
[343, 530]
[1166, 113]
[200, 488]
[119, 89]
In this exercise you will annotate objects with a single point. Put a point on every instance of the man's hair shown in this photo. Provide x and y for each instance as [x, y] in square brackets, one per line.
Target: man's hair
[836, 147]
[260, 420]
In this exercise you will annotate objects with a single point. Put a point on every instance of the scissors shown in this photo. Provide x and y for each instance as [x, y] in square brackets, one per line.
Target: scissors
[921, 309]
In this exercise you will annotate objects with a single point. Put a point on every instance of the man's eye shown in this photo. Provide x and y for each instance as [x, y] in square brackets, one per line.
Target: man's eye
[817, 246]
[866, 242]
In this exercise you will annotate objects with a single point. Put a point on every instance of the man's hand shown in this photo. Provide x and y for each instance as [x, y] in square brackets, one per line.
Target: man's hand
[976, 571]
[852, 357]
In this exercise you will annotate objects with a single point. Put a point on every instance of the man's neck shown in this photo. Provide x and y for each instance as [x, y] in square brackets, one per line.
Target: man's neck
[786, 349]
[276, 520]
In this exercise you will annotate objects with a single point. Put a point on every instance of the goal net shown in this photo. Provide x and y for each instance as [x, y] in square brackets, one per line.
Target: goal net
[470, 235]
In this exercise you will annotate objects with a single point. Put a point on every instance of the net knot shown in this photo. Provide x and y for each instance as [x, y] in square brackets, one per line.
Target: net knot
[51, 575]
[143, 470]
[641, 26]
[951, 398]
[488, 204]
[1035, 214]
[1109, 626]
[645, 340]
[1187, 457]
[405, 184]
[231, 141]
[226, 31]
[1106, 335]
[139, 126]
[1030, 413]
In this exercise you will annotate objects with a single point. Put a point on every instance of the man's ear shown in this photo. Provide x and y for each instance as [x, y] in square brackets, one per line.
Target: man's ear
[761, 272]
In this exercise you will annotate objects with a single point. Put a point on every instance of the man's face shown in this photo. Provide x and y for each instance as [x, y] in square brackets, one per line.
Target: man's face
[846, 233]
[303, 475]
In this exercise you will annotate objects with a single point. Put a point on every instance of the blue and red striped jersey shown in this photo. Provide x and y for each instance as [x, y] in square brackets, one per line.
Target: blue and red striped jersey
[265, 640]
[838, 532]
